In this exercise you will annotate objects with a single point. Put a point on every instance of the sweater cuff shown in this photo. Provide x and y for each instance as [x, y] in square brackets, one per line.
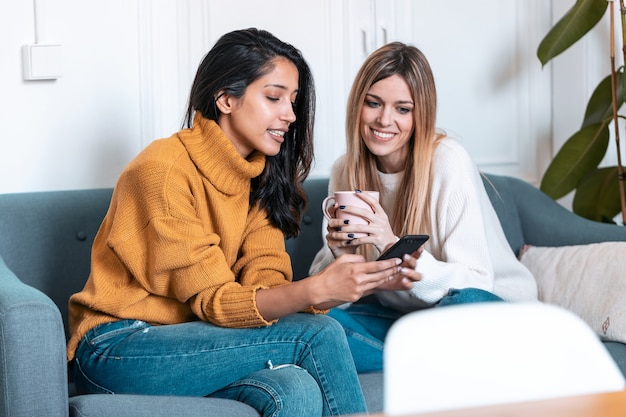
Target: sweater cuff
[235, 306]
[435, 281]
[313, 310]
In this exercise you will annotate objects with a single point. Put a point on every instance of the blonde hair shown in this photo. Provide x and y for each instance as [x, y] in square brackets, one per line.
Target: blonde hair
[409, 63]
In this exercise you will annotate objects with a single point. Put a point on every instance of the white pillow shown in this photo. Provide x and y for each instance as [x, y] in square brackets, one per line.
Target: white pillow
[589, 280]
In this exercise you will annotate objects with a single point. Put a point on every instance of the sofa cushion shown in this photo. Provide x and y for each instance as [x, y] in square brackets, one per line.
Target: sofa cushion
[122, 405]
[302, 249]
[103, 405]
[502, 196]
[372, 385]
[589, 280]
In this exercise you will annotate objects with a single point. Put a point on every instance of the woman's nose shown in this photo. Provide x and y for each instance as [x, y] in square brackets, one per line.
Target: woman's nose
[384, 117]
[288, 114]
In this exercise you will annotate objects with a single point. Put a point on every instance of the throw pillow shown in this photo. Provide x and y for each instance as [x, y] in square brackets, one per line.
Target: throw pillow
[589, 280]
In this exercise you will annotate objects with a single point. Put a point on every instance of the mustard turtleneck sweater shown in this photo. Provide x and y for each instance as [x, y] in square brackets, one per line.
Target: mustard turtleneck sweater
[180, 241]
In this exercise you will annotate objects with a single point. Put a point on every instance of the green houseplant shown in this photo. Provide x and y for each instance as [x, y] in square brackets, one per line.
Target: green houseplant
[599, 192]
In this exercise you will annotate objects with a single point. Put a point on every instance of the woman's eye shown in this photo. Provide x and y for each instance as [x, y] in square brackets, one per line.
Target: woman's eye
[371, 104]
[272, 98]
[404, 110]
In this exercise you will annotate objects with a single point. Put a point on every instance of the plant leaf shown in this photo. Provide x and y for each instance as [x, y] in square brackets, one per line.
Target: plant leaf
[597, 195]
[580, 154]
[600, 105]
[579, 20]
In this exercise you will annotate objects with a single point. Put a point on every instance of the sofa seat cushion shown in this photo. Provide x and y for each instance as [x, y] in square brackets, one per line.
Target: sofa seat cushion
[372, 385]
[122, 405]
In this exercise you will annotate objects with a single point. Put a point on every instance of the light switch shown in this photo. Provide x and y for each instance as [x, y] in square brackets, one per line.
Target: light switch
[41, 62]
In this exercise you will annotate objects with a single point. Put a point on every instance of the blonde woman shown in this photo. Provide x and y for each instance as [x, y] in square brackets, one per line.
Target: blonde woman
[428, 184]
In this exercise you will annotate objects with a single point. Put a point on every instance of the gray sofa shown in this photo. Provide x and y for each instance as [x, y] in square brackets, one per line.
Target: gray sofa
[45, 242]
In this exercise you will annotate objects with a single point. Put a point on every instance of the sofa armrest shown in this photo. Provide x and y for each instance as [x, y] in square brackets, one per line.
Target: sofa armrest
[33, 367]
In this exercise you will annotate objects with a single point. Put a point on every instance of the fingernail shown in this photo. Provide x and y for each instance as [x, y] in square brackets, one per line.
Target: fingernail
[357, 191]
[406, 256]
[351, 235]
[348, 242]
[346, 221]
[405, 270]
[342, 207]
[338, 229]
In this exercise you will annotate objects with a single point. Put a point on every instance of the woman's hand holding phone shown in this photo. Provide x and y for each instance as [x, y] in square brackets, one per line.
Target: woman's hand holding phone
[406, 245]
[408, 249]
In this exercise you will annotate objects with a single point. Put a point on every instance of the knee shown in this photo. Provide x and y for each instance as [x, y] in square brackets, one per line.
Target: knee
[317, 328]
[302, 395]
[293, 391]
[468, 295]
[328, 326]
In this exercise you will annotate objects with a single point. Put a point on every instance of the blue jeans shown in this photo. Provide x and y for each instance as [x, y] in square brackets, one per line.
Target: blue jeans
[299, 366]
[366, 325]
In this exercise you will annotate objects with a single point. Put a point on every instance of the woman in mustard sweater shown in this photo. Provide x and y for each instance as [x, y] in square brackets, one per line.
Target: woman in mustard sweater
[190, 289]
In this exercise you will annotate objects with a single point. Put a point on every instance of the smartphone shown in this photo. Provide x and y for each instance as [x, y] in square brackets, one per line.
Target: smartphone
[406, 244]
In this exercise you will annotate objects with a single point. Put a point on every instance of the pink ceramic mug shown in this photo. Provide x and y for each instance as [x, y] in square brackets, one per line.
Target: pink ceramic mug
[348, 198]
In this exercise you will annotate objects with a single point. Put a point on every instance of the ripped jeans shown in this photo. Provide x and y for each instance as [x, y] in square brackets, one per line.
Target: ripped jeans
[200, 359]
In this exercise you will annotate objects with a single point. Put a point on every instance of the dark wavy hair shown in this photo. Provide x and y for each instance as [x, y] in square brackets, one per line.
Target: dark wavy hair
[236, 60]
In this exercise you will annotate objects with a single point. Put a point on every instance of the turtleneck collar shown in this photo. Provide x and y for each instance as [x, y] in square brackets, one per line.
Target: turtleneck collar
[216, 157]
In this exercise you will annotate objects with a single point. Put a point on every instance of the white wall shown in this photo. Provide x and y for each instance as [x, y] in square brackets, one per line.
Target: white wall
[80, 130]
[128, 65]
[492, 90]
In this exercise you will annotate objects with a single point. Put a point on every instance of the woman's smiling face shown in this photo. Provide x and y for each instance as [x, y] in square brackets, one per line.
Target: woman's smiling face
[261, 117]
[387, 122]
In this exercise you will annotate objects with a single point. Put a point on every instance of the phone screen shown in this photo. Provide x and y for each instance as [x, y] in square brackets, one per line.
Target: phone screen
[406, 244]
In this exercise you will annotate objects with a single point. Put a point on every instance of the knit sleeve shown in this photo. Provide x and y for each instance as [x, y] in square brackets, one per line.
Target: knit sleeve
[459, 246]
[173, 256]
[458, 252]
[262, 263]
[185, 265]
[158, 236]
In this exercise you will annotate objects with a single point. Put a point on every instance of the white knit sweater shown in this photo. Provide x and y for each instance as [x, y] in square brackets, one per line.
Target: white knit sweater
[467, 247]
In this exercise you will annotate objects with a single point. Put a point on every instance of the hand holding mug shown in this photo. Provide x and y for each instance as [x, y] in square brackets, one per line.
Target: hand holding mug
[345, 199]
[363, 210]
